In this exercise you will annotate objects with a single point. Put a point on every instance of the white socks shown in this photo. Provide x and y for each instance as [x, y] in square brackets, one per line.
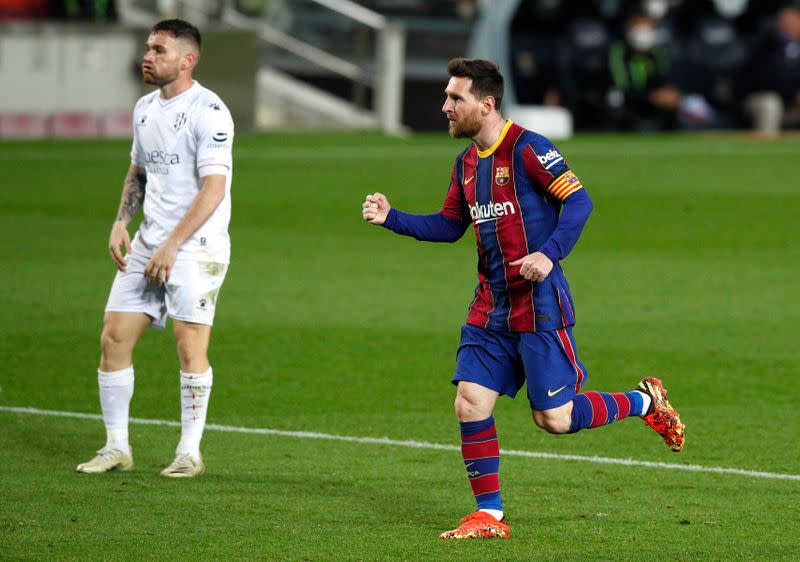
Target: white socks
[116, 390]
[496, 513]
[195, 392]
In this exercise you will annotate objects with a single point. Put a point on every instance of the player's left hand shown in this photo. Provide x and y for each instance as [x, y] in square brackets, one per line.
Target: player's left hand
[534, 267]
[160, 265]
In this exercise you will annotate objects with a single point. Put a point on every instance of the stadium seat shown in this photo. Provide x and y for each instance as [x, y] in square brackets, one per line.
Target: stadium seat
[584, 71]
[712, 56]
[116, 124]
[74, 124]
[22, 125]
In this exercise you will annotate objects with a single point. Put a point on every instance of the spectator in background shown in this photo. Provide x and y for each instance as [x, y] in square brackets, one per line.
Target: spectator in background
[20, 10]
[770, 83]
[641, 94]
[537, 41]
[99, 11]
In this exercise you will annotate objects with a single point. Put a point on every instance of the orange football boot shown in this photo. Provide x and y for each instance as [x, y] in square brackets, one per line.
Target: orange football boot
[661, 416]
[478, 525]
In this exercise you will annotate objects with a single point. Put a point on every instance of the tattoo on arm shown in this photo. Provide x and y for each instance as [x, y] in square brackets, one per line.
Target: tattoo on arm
[132, 195]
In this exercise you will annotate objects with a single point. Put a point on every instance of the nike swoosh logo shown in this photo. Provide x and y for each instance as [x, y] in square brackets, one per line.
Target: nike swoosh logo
[551, 393]
[481, 221]
[469, 179]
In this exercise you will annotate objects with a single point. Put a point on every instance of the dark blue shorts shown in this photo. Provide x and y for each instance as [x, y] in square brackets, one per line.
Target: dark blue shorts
[504, 361]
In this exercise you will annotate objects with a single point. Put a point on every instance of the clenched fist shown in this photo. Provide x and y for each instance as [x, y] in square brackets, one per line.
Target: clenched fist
[376, 208]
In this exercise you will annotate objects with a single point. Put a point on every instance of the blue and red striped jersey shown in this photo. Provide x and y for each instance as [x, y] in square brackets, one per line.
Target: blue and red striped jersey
[513, 194]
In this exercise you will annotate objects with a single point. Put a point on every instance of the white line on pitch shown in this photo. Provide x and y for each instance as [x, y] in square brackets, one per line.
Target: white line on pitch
[417, 444]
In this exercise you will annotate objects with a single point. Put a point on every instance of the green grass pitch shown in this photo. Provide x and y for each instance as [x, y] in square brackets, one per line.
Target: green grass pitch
[687, 269]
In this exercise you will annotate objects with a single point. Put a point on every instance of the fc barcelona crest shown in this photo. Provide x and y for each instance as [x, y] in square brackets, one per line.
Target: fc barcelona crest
[502, 175]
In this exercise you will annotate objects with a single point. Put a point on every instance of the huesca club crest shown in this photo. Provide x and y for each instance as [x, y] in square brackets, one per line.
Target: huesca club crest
[502, 175]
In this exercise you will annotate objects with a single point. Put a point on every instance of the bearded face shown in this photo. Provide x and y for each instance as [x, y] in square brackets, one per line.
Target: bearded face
[162, 61]
[462, 109]
[467, 125]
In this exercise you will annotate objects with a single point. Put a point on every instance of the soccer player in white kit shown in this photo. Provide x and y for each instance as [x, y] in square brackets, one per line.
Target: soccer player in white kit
[180, 174]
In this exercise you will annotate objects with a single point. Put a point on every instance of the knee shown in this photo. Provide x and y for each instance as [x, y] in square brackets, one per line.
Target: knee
[188, 350]
[464, 408]
[192, 347]
[112, 340]
[468, 409]
[555, 421]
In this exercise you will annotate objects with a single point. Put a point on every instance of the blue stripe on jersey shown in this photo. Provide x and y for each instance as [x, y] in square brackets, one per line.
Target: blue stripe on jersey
[539, 214]
[498, 317]
[460, 170]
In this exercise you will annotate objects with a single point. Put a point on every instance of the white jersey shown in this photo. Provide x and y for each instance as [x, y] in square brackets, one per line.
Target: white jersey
[178, 142]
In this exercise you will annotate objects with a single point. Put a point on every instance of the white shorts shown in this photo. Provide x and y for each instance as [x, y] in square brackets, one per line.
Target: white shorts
[189, 295]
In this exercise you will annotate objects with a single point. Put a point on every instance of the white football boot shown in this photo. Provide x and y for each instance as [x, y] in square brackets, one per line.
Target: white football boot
[107, 459]
[184, 466]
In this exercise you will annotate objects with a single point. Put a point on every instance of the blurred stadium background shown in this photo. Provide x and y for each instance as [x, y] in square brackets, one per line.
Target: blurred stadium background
[69, 67]
[687, 269]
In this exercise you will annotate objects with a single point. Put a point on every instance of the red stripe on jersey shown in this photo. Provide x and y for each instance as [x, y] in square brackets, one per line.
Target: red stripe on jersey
[478, 310]
[599, 410]
[534, 167]
[455, 204]
[568, 320]
[623, 404]
[570, 351]
[482, 450]
[511, 236]
[483, 303]
[561, 308]
[481, 435]
[485, 484]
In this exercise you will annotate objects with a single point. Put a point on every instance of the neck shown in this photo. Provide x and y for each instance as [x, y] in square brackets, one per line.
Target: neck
[490, 132]
[176, 88]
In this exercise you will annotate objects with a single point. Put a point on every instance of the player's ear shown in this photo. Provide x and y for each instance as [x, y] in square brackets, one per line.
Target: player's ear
[189, 60]
[488, 104]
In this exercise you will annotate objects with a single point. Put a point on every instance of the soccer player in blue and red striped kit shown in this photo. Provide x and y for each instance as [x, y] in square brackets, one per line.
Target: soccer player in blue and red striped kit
[527, 209]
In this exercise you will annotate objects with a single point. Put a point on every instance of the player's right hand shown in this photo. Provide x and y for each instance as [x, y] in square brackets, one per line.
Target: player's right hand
[119, 239]
[376, 208]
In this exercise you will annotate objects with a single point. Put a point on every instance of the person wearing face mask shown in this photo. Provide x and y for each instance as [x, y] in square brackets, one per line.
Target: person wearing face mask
[641, 94]
[770, 83]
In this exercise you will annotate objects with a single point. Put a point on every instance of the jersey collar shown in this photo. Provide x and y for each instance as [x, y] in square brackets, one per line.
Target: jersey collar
[489, 151]
[165, 103]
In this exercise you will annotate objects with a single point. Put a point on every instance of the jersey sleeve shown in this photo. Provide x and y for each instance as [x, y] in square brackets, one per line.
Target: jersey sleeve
[455, 205]
[214, 139]
[137, 157]
[548, 170]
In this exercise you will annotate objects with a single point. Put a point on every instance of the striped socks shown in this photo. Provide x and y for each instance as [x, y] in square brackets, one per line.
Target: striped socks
[482, 461]
[594, 409]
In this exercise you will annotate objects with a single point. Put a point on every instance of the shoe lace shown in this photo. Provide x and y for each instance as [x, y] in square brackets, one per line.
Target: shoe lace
[183, 461]
[107, 452]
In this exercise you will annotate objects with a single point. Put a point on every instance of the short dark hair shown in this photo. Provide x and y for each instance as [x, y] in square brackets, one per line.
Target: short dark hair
[486, 77]
[180, 29]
